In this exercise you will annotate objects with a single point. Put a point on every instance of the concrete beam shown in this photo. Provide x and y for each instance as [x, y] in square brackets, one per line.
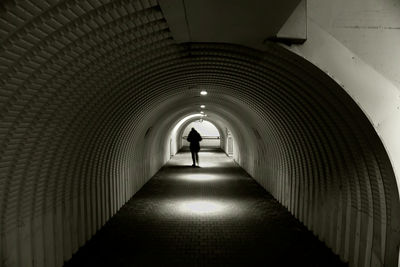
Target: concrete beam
[294, 31]
[246, 23]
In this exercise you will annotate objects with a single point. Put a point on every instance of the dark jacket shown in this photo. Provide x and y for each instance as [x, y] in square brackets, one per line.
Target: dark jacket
[194, 138]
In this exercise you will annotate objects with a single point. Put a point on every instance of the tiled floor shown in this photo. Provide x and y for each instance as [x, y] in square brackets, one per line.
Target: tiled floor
[215, 215]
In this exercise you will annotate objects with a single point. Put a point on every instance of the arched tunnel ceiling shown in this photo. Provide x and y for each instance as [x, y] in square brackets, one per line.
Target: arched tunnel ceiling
[81, 82]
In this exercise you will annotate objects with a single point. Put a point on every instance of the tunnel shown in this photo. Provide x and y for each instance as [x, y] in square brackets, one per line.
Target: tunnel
[95, 96]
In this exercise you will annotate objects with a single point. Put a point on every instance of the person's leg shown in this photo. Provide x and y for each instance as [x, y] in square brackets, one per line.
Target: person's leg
[193, 158]
[197, 158]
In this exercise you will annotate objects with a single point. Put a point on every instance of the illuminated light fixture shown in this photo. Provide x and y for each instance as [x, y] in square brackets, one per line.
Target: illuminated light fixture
[203, 92]
[201, 112]
[202, 106]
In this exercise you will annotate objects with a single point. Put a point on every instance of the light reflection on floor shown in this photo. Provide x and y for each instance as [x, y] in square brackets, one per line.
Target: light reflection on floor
[203, 164]
[207, 164]
[201, 207]
[207, 160]
[199, 177]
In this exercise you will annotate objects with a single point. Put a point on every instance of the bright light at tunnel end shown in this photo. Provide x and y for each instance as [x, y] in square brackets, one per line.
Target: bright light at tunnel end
[203, 92]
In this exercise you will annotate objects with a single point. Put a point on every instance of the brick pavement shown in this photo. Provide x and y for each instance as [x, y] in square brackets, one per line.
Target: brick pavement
[215, 215]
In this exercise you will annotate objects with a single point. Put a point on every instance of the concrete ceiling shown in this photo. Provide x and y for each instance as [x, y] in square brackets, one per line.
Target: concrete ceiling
[247, 23]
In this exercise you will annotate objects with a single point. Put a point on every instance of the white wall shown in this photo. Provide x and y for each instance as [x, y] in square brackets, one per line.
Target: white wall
[213, 143]
[369, 28]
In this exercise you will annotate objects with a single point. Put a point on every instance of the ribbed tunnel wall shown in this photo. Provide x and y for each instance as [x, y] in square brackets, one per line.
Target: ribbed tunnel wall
[90, 90]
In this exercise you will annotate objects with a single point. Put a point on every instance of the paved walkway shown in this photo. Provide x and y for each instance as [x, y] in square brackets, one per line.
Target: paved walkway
[215, 215]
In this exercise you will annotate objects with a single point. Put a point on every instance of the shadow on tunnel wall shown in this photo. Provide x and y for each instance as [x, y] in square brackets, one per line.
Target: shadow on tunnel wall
[83, 126]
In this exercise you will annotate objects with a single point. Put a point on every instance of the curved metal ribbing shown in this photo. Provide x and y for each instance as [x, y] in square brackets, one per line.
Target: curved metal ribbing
[81, 84]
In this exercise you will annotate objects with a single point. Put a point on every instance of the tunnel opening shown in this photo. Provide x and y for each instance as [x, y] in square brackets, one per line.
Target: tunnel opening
[212, 126]
[207, 130]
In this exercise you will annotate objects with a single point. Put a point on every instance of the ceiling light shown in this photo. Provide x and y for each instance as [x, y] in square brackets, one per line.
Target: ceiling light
[203, 92]
[202, 112]
[202, 106]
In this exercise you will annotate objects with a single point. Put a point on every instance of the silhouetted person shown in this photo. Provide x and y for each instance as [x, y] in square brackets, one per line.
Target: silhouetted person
[194, 138]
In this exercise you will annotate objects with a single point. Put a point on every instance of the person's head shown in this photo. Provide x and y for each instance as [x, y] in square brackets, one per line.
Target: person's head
[193, 129]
